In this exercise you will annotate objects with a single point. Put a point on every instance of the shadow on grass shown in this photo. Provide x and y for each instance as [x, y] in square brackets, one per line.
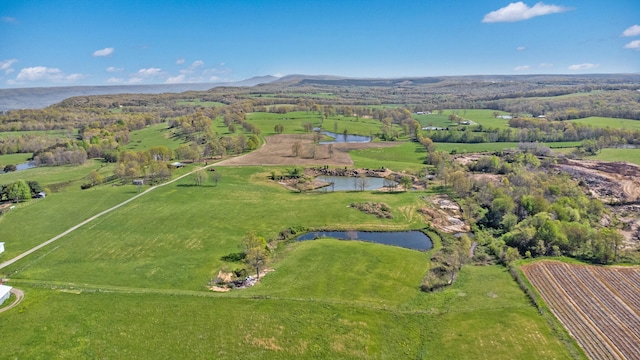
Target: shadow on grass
[234, 257]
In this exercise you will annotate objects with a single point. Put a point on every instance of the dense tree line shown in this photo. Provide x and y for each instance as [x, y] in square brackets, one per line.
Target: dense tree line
[535, 130]
[532, 210]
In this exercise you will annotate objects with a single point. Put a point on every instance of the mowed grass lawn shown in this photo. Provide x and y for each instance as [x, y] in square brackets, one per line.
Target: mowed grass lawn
[308, 308]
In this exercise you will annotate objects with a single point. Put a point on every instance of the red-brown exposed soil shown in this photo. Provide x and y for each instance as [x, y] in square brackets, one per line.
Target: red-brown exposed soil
[278, 151]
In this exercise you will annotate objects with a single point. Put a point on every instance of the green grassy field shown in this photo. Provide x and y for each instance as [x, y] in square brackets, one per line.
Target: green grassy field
[351, 301]
[482, 117]
[13, 159]
[630, 155]
[154, 135]
[133, 283]
[294, 121]
[484, 147]
[614, 123]
[404, 156]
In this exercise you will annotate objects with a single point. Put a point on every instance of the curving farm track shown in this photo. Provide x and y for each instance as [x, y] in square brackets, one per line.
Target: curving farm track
[599, 306]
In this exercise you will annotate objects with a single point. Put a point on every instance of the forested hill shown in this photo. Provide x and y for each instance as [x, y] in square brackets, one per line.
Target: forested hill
[37, 98]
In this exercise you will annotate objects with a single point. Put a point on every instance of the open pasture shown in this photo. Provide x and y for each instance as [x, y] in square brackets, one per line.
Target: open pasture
[608, 154]
[599, 306]
[481, 117]
[13, 159]
[293, 123]
[308, 308]
[153, 135]
[614, 123]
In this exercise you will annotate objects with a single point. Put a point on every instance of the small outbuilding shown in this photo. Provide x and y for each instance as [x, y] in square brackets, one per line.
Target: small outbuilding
[1, 247]
[5, 292]
[177, 164]
[41, 195]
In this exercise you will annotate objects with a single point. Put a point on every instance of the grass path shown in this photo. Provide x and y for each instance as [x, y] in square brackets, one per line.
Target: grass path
[73, 228]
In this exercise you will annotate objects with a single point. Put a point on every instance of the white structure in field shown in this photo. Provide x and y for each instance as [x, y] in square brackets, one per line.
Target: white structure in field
[1, 247]
[5, 292]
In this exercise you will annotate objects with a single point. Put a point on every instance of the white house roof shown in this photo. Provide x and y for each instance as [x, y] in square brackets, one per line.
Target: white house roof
[4, 290]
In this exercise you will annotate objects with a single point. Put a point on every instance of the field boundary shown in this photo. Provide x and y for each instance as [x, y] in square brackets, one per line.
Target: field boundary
[75, 227]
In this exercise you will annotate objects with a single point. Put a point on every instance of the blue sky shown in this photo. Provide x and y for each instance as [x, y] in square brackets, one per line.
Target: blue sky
[61, 43]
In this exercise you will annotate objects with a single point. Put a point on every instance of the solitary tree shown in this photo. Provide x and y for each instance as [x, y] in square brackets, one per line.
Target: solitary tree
[256, 251]
[19, 191]
[199, 177]
[295, 148]
[406, 182]
[95, 178]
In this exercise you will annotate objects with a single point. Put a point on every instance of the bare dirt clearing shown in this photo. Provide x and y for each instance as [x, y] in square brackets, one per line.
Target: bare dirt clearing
[278, 151]
[614, 183]
[599, 306]
[444, 214]
[611, 182]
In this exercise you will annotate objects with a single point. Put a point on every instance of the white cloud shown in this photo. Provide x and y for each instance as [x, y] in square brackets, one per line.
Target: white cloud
[115, 80]
[545, 65]
[150, 72]
[112, 69]
[522, 68]
[196, 64]
[8, 19]
[632, 31]
[635, 44]
[74, 77]
[214, 78]
[38, 73]
[519, 11]
[175, 79]
[5, 65]
[586, 66]
[180, 61]
[103, 52]
[521, 48]
[134, 80]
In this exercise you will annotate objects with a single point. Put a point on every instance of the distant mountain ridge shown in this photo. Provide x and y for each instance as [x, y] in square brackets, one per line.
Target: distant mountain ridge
[37, 98]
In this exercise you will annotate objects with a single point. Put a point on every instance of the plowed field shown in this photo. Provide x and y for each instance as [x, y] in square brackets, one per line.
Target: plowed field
[599, 306]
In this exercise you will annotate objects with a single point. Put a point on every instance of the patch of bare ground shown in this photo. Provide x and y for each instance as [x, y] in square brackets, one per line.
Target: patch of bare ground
[444, 214]
[278, 150]
[613, 183]
[466, 159]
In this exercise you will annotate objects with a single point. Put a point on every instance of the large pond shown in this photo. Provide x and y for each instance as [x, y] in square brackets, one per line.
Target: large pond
[342, 138]
[415, 240]
[345, 183]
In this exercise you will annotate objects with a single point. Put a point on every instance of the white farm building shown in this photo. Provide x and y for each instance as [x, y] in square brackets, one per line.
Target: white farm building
[1, 247]
[5, 292]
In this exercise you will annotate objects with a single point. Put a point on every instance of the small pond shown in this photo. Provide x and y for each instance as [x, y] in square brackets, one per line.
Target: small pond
[346, 183]
[21, 166]
[342, 138]
[415, 240]
[25, 166]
